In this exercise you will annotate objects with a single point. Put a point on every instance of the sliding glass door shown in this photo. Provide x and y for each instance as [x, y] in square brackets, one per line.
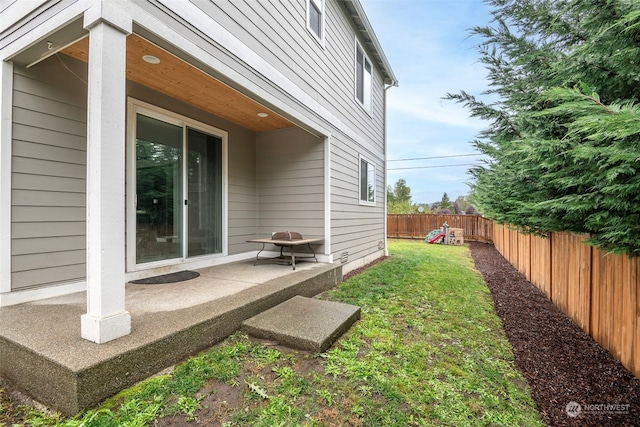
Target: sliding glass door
[179, 191]
[204, 206]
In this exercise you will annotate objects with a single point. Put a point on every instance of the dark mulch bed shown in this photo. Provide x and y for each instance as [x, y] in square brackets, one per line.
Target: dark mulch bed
[561, 362]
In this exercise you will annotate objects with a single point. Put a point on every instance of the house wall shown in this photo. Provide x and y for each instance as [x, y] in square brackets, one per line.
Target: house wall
[276, 32]
[356, 229]
[48, 174]
[290, 180]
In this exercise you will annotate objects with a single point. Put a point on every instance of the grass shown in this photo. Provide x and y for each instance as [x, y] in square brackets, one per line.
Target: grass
[428, 351]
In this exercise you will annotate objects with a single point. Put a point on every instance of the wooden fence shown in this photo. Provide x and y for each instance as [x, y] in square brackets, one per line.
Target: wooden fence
[417, 226]
[600, 292]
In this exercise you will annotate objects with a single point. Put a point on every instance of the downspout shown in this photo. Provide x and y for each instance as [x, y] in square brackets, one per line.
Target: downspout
[394, 83]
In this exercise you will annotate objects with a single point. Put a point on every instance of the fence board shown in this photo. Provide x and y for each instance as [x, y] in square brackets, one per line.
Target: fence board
[541, 263]
[560, 271]
[578, 276]
[636, 338]
[628, 312]
[524, 255]
[513, 248]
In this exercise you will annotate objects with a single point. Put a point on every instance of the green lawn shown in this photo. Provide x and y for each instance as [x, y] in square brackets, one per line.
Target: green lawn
[428, 350]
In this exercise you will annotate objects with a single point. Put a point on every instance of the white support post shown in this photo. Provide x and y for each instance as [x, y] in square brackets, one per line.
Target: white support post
[6, 108]
[106, 318]
[327, 198]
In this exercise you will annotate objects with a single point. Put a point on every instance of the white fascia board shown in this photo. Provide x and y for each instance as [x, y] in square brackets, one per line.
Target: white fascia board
[190, 13]
[67, 15]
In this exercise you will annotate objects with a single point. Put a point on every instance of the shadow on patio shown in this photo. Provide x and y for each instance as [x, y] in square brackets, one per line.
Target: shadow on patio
[170, 322]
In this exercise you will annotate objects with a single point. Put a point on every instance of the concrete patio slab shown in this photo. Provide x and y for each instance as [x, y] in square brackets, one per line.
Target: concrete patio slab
[304, 323]
[170, 322]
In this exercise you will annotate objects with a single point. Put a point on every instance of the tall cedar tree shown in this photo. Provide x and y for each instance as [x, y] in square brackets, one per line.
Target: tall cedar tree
[563, 144]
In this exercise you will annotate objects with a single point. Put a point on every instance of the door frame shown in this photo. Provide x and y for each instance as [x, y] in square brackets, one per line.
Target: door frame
[134, 107]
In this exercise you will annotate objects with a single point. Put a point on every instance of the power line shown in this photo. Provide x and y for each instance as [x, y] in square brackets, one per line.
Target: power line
[435, 157]
[436, 166]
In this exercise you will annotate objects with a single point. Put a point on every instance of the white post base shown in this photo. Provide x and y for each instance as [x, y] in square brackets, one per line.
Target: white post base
[105, 329]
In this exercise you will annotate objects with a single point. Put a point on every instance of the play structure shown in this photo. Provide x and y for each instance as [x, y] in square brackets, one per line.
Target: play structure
[446, 235]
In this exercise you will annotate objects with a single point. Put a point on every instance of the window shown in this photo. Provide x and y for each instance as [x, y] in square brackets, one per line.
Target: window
[367, 182]
[315, 19]
[363, 78]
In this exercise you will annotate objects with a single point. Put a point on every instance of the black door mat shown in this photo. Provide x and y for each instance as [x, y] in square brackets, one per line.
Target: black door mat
[180, 276]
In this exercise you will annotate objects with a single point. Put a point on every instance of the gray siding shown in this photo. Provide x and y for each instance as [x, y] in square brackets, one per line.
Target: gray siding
[276, 30]
[290, 174]
[356, 229]
[276, 179]
[48, 174]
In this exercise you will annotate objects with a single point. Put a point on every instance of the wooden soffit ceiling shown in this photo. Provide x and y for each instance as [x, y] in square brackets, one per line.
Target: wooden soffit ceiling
[184, 82]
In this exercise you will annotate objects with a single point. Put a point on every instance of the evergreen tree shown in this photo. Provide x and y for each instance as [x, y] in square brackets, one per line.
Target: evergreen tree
[563, 144]
[445, 203]
[401, 191]
[399, 199]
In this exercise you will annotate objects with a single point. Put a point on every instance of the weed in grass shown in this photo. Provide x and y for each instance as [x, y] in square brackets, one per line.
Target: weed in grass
[186, 405]
[256, 389]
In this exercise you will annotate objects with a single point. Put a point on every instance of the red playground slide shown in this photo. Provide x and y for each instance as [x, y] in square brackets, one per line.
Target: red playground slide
[436, 237]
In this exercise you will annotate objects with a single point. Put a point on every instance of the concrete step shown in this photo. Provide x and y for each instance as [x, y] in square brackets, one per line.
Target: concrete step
[304, 323]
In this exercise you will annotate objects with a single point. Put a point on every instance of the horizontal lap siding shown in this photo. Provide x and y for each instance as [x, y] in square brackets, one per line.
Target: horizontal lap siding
[48, 175]
[356, 229]
[290, 180]
[276, 31]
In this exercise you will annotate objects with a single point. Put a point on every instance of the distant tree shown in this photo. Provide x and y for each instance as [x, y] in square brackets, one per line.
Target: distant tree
[470, 210]
[401, 191]
[399, 199]
[443, 212]
[445, 203]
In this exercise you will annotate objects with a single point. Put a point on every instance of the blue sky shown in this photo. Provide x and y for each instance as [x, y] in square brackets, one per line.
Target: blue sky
[428, 46]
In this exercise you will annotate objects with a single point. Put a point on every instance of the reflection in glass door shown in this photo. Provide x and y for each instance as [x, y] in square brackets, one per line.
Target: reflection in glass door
[204, 174]
[158, 190]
